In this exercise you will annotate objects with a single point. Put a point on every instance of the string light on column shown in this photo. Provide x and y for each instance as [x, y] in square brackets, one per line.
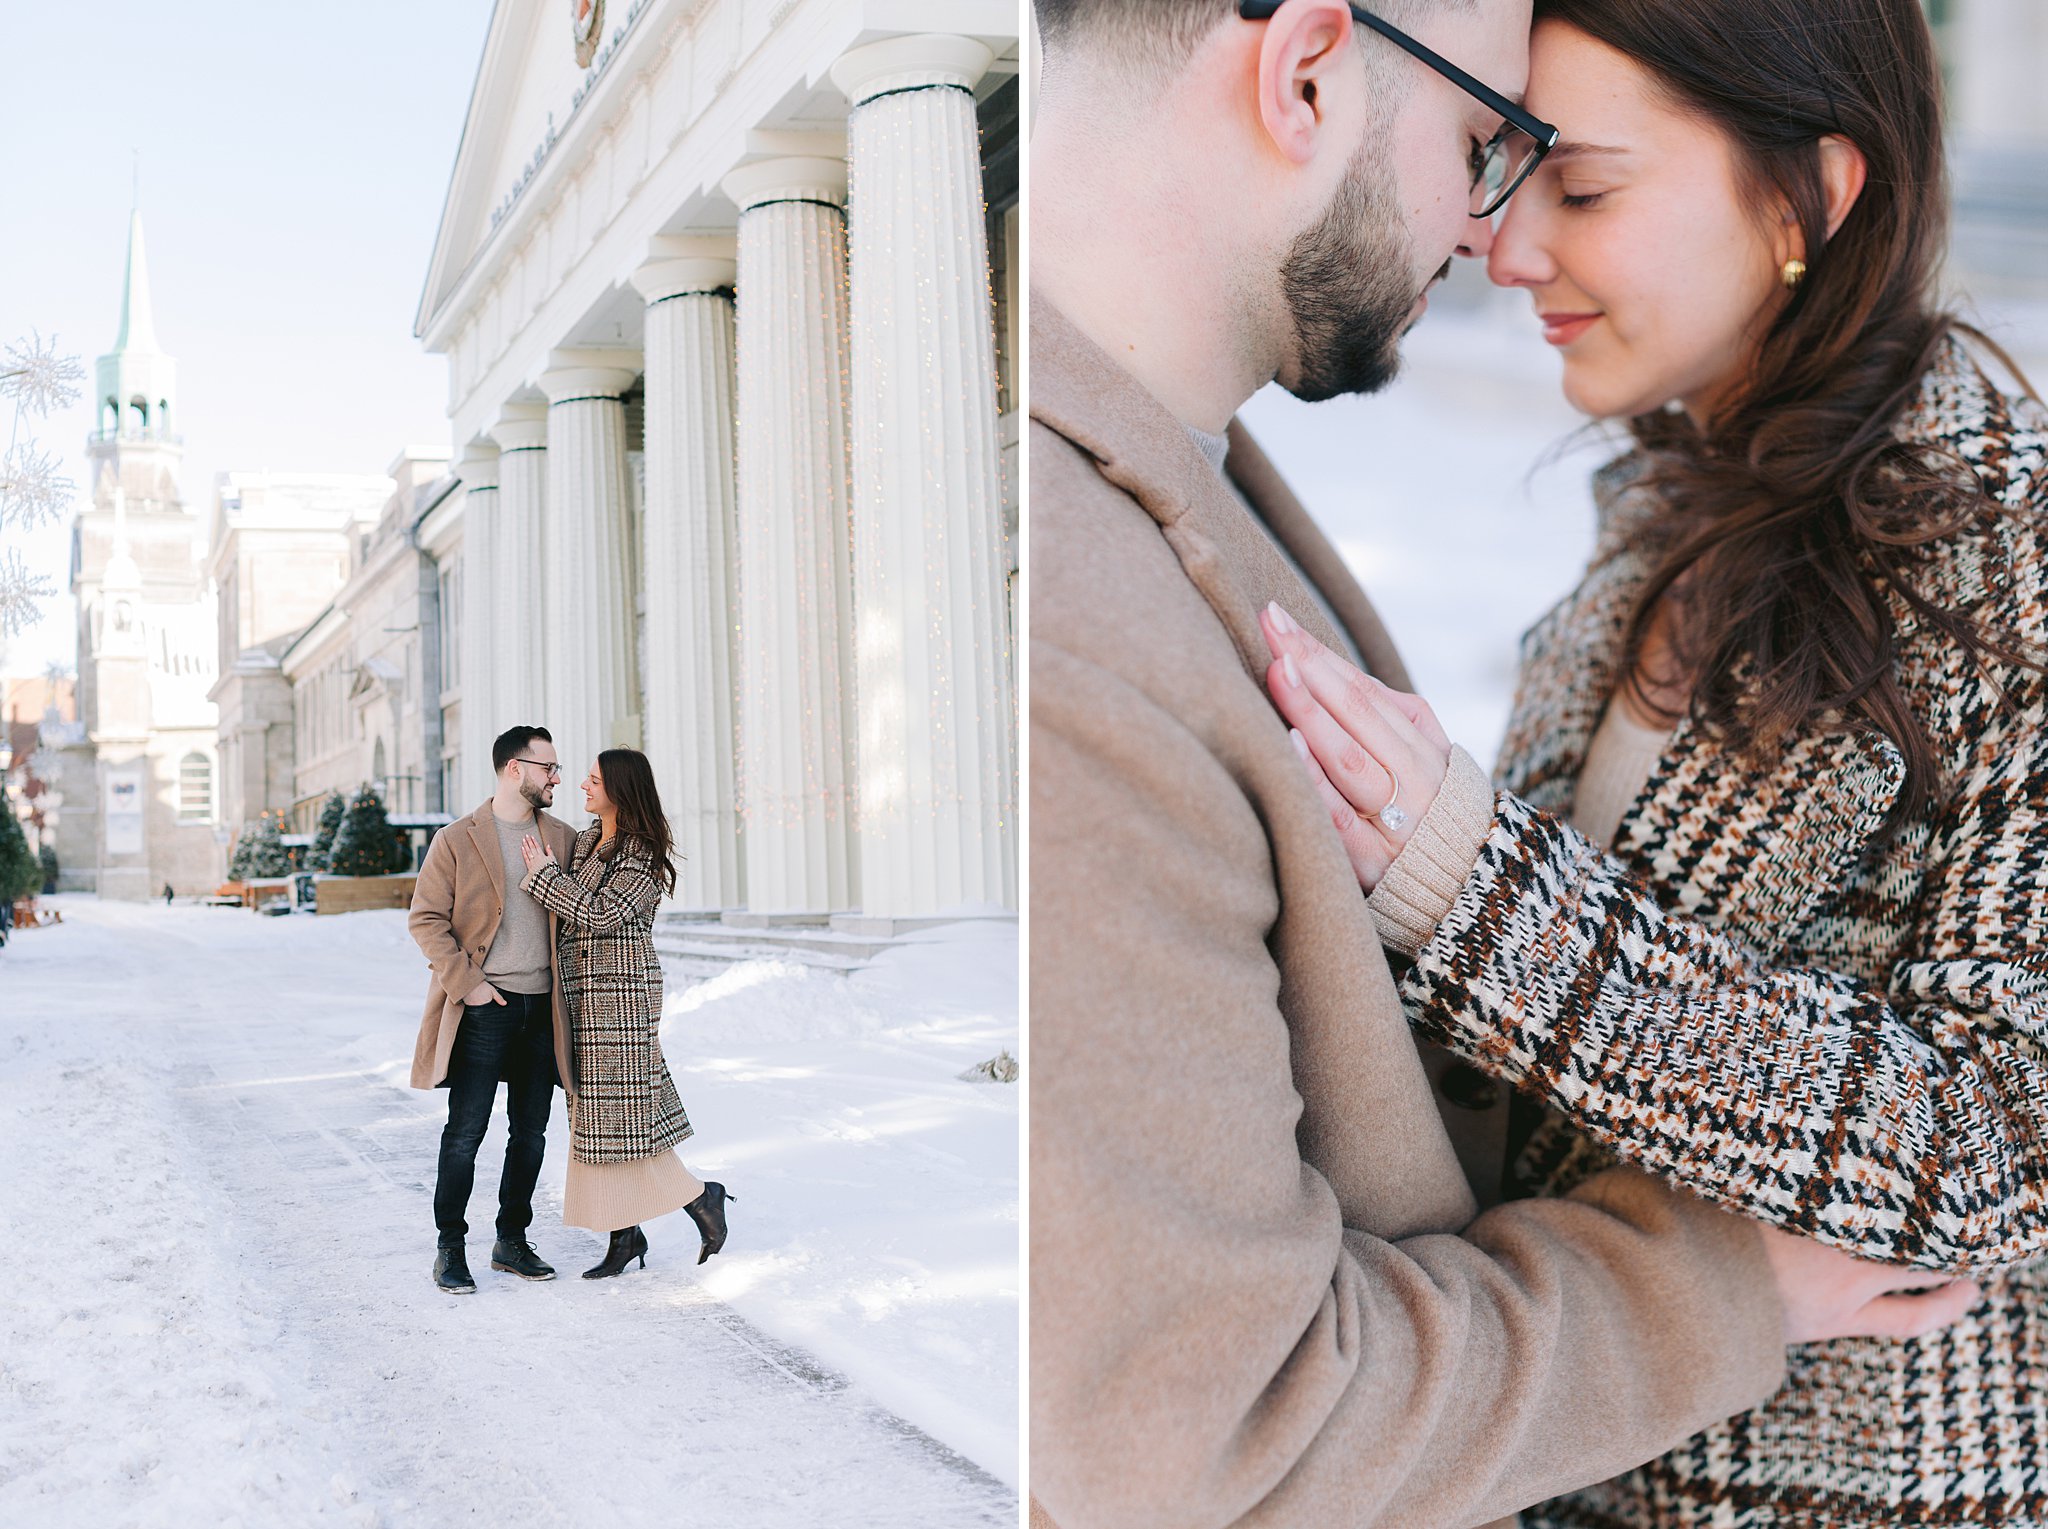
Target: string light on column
[936, 782]
[796, 700]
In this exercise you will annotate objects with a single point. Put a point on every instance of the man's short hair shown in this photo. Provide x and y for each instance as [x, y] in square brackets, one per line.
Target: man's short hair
[512, 743]
[1162, 35]
[1164, 32]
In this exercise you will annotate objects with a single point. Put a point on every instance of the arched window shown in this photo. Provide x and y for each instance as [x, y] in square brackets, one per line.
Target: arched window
[163, 415]
[195, 788]
[110, 418]
[138, 413]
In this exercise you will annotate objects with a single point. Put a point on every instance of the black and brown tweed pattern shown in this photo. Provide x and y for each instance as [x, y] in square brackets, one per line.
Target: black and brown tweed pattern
[1765, 998]
[626, 1104]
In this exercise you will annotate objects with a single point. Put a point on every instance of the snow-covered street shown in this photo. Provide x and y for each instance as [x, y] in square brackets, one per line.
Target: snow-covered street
[216, 1208]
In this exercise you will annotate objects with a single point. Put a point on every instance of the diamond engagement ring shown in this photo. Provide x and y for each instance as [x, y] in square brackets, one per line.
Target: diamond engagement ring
[1393, 817]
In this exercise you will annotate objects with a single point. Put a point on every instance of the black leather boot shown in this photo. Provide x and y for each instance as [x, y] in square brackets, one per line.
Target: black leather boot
[451, 1270]
[708, 1211]
[515, 1255]
[628, 1243]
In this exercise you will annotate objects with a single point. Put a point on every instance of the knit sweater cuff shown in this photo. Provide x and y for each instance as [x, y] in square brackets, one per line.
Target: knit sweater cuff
[1427, 876]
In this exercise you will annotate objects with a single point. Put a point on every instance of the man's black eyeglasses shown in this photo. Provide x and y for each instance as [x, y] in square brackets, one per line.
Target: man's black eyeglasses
[1507, 159]
[552, 769]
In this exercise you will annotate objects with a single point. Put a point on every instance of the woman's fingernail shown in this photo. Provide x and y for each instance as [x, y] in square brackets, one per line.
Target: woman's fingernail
[1282, 622]
[1293, 673]
[1300, 743]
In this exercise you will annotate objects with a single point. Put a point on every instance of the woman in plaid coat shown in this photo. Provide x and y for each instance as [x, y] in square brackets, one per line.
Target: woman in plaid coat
[1758, 898]
[627, 1118]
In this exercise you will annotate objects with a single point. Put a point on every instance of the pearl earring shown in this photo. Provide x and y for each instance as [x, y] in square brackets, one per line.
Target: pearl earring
[1792, 273]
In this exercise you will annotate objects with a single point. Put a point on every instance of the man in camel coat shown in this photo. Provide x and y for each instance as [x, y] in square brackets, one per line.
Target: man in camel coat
[494, 1002]
[1261, 1289]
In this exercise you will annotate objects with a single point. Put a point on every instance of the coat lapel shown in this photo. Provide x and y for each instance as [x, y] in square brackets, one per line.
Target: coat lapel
[1571, 658]
[483, 833]
[1289, 520]
[560, 838]
[1143, 450]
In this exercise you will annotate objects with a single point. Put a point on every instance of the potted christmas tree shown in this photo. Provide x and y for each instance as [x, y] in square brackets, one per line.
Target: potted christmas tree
[323, 837]
[365, 845]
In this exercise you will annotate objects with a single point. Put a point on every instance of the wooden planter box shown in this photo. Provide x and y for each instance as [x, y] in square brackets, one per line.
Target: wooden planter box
[352, 894]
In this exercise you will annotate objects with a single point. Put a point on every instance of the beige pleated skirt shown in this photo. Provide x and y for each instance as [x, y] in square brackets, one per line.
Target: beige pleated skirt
[603, 1197]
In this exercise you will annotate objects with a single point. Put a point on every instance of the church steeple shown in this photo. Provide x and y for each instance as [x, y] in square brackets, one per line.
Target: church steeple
[138, 383]
[138, 325]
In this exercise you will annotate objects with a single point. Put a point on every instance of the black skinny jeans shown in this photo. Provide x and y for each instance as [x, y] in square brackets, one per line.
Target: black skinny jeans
[513, 1043]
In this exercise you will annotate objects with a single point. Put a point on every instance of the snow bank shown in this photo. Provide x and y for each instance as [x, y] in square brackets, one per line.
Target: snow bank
[878, 1217]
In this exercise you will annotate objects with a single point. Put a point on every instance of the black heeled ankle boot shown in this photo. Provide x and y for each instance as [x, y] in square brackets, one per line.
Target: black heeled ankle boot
[708, 1211]
[628, 1243]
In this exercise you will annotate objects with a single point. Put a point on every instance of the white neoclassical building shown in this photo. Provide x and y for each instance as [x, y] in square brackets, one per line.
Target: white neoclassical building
[727, 290]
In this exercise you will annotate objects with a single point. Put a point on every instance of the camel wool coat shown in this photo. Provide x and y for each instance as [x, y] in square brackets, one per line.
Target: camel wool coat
[456, 905]
[1259, 1293]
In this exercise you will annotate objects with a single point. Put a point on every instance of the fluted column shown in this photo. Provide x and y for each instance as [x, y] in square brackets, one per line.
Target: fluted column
[586, 549]
[796, 683]
[937, 772]
[518, 602]
[484, 552]
[690, 565]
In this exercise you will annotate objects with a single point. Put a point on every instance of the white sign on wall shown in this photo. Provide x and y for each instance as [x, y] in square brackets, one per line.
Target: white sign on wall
[124, 812]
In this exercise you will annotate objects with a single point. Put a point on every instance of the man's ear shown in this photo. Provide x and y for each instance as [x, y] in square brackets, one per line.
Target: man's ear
[1843, 170]
[1305, 42]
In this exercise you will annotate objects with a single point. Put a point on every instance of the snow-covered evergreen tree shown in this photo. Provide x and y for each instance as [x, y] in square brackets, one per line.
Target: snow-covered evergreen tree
[365, 844]
[260, 851]
[323, 836]
[19, 873]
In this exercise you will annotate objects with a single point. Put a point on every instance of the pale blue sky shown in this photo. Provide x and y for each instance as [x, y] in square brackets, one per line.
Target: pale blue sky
[293, 164]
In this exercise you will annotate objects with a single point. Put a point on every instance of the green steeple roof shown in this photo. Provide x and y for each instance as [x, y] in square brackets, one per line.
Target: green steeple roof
[138, 325]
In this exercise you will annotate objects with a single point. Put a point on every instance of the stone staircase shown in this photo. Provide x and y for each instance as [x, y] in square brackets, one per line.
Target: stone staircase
[692, 949]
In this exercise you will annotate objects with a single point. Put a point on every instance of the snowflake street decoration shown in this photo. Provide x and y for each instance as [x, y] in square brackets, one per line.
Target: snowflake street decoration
[20, 592]
[31, 488]
[37, 378]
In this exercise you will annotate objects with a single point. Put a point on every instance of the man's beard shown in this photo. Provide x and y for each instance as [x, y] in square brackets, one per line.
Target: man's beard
[1347, 285]
[537, 797]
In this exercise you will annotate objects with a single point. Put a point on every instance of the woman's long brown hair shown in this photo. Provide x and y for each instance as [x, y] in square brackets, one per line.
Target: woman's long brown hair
[1795, 509]
[629, 782]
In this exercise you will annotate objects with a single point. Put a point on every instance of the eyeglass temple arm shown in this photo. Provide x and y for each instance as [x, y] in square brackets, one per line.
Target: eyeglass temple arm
[1535, 127]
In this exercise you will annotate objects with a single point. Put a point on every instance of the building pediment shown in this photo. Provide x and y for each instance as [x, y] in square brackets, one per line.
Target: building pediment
[537, 121]
[374, 678]
[528, 85]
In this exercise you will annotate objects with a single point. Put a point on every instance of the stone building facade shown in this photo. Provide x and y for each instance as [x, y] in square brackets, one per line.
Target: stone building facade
[365, 673]
[282, 546]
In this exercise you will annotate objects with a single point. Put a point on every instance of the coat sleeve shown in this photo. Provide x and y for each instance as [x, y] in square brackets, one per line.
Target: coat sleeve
[432, 920]
[1906, 1120]
[629, 895]
[1211, 1344]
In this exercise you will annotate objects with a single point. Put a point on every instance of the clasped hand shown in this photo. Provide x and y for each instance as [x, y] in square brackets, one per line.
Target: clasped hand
[1370, 748]
[1377, 755]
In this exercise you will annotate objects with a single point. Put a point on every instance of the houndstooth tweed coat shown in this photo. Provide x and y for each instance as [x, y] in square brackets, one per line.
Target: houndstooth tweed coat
[626, 1104]
[1764, 998]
